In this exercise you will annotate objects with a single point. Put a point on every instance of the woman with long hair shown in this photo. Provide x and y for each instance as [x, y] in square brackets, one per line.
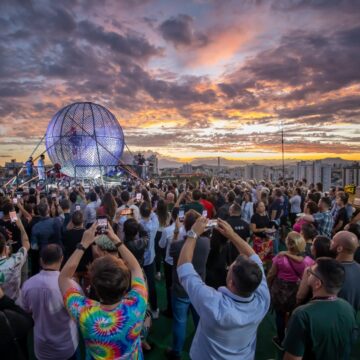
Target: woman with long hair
[109, 205]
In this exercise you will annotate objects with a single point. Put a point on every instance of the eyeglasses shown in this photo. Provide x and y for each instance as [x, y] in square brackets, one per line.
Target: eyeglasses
[310, 271]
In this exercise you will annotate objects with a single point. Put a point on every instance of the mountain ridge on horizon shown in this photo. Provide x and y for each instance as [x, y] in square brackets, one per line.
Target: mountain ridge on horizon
[166, 163]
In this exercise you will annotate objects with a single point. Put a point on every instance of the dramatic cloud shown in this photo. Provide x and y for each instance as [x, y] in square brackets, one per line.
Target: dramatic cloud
[187, 80]
[179, 30]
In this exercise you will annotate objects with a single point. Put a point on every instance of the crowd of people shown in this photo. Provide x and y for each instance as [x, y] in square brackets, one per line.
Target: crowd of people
[79, 269]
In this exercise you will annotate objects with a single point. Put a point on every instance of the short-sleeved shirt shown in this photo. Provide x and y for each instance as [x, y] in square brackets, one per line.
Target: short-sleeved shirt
[321, 329]
[10, 273]
[350, 290]
[341, 216]
[277, 205]
[110, 334]
[289, 270]
[195, 206]
[261, 221]
[324, 222]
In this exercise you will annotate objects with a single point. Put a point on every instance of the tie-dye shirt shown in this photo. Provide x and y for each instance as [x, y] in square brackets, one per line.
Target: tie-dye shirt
[110, 334]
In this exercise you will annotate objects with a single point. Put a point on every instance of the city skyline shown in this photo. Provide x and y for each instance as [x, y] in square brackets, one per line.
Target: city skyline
[188, 80]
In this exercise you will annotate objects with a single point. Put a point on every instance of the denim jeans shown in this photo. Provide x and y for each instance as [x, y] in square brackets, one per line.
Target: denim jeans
[180, 307]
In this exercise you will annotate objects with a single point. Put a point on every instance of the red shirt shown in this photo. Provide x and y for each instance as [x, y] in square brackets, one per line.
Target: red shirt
[209, 207]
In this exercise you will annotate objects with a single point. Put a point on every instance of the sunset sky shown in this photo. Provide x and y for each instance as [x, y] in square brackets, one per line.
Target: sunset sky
[187, 79]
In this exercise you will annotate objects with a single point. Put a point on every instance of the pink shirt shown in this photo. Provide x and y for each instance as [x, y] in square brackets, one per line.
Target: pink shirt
[297, 226]
[286, 271]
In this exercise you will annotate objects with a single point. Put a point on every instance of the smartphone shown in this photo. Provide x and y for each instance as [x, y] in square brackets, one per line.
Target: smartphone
[15, 200]
[77, 207]
[138, 197]
[13, 216]
[126, 211]
[211, 223]
[204, 213]
[181, 214]
[53, 195]
[102, 223]
[18, 196]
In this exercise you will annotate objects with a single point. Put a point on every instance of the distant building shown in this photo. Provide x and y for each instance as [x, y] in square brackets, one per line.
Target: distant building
[254, 171]
[153, 165]
[314, 172]
[12, 168]
[351, 174]
[187, 168]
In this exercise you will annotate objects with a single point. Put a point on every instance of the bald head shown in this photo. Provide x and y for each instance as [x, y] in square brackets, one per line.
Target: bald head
[345, 241]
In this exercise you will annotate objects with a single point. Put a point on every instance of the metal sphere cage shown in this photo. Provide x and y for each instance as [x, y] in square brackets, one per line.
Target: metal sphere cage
[84, 138]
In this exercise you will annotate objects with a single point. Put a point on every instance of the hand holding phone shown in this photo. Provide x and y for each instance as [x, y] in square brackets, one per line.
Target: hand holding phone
[13, 216]
[77, 207]
[15, 201]
[102, 225]
[181, 215]
[138, 197]
[126, 212]
[204, 213]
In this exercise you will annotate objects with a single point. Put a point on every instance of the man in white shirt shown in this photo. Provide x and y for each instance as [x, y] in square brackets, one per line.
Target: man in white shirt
[55, 334]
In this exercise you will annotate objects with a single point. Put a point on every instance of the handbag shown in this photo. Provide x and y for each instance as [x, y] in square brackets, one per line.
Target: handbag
[19, 353]
[283, 293]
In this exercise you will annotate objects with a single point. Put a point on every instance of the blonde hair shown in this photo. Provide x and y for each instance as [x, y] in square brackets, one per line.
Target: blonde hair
[295, 242]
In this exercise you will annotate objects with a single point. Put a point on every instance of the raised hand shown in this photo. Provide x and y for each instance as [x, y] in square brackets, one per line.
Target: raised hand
[200, 225]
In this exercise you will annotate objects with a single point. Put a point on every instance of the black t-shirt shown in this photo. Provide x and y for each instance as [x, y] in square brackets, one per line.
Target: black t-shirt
[276, 205]
[341, 216]
[70, 239]
[261, 221]
[242, 228]
[223, 212]
[216, 265]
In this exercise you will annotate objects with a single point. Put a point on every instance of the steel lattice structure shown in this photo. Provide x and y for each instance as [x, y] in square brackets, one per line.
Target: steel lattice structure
[84, 138]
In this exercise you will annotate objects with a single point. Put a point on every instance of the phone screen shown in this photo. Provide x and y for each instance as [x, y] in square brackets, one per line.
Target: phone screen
[126, 211]
[102, 225]
[15, 200]
[77, 207]
[212, 223]
[138, 196]
[13, 216]
[181, 215]
[204, 213]
[18, 196]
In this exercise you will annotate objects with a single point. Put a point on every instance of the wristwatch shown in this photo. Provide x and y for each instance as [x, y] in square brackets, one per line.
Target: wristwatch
[118, 244]
[80, 246]
[192, 234]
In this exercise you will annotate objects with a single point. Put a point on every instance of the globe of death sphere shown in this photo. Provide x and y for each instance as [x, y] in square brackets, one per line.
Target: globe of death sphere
[85, 139]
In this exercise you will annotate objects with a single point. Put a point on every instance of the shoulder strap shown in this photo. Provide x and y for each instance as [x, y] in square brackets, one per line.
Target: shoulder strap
[293, 268]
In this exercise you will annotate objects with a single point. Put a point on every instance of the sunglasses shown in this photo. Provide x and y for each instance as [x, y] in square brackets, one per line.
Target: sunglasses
[310, 271]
